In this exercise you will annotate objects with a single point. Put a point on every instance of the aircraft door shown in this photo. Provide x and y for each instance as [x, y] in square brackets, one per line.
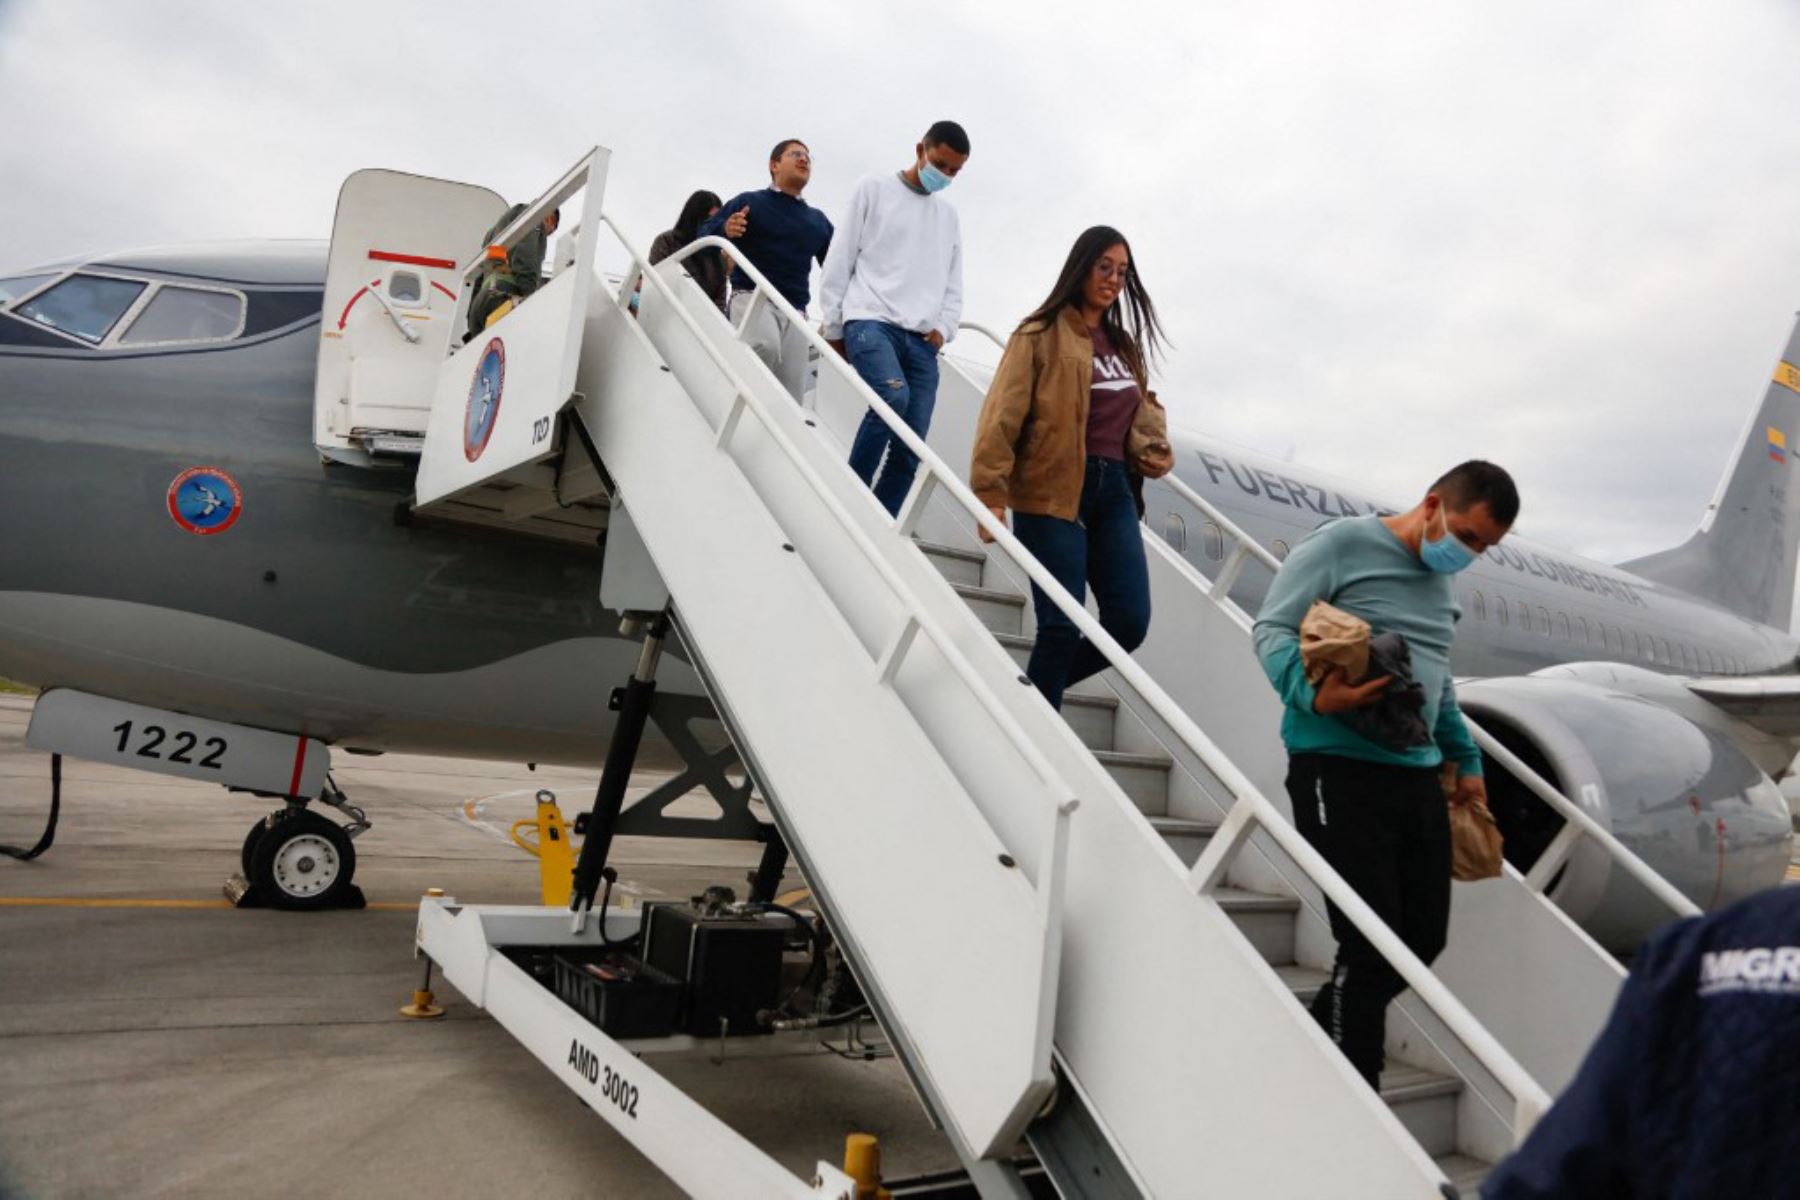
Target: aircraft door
[399, 244]
[496, 399]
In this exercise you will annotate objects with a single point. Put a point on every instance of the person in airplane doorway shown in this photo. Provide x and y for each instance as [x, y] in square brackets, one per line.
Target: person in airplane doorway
[706, 266]
[781, 235]
[891, 296]
[1689, 1089]
[507, 278]
[1378, 815]
[1066, 437]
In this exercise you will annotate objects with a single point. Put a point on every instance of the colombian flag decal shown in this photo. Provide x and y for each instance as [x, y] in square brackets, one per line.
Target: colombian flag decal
[1777, 445]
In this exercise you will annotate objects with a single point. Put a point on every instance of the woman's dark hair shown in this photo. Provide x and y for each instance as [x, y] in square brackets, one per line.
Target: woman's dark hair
[1129, 322]
[698, 207]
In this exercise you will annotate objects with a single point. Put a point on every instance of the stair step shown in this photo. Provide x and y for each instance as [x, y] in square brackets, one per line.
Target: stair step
[1425, 1102]
[1020, 649]
[953, 563]
[1144, 778]
[1002, 612]
[1304, 982]
[1093, 719]
[1267, 921]
[1465, 1173]
[1187, 838]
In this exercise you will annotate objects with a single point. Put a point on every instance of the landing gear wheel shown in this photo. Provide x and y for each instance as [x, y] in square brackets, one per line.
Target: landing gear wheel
[247, 858]
[302, 861]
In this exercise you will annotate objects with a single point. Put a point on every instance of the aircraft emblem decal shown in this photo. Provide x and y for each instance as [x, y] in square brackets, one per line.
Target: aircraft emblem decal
[484, 399]
[205, 500]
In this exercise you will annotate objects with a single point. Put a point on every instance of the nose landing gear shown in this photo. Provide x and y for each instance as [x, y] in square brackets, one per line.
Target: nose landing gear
[299, 860]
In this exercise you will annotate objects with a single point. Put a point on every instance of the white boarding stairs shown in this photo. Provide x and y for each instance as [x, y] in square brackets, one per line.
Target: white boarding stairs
[996, 883]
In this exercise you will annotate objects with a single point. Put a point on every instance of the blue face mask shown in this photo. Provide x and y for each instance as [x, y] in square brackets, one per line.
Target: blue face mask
[932, 179]
[1447, 555]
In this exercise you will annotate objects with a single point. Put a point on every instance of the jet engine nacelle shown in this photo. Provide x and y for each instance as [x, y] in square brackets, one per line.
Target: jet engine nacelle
[1675, 789]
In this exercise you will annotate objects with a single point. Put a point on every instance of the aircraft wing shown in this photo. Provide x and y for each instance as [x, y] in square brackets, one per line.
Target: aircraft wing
[1770, 703]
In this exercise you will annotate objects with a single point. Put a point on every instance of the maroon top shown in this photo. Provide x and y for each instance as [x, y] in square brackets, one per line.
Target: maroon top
[1112, 402]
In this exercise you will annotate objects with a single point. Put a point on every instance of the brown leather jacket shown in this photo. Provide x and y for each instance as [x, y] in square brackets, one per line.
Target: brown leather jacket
[1031, 438]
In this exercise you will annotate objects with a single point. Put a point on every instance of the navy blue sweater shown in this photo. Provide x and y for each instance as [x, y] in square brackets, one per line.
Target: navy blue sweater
[1692, 1089]
[783, 236]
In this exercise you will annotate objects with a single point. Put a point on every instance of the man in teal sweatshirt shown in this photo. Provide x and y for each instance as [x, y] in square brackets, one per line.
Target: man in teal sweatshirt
[1378, 815]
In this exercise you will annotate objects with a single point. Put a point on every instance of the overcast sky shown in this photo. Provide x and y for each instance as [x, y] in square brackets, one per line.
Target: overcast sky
[1383, 237]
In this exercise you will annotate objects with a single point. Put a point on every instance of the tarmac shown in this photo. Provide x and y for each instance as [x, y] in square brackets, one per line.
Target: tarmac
[155, 1041]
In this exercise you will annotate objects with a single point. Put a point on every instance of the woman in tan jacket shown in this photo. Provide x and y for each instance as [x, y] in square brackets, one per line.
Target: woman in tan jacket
[1068, 434]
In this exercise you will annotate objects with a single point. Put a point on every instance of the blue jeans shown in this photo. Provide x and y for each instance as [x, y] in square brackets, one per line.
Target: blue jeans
[1102, 547]
[902, 368]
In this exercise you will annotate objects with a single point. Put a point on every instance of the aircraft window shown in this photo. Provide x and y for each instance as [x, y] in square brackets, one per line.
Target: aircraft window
[18, 285]
[406, 288]
[182, 314]
[1659, 650]
[1500, 609]
[1587, 635]
[1637, 643]
[1478, 602]
[1280, 548]
[1543, 620]
[86, 306]
[1525, 617]
[1215, 542]
[1175, 532]
[1562, 627]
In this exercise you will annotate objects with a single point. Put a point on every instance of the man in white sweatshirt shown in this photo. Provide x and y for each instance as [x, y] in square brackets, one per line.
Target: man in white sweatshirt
[892, 296]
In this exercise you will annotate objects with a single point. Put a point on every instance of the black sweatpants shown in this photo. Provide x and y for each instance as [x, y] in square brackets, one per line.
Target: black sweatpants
[1386, 830]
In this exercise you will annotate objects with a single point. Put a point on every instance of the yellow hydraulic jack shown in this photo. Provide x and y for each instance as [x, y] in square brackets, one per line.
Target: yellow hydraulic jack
[862, 1162]
[556, 857]
[424, 1006]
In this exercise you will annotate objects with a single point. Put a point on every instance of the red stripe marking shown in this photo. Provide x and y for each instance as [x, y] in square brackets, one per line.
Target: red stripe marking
[299, 766]
[440, 287]
[351, 305]
[445, 264]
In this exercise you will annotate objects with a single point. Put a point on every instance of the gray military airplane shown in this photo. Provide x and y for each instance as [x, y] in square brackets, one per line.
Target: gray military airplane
[193, 573]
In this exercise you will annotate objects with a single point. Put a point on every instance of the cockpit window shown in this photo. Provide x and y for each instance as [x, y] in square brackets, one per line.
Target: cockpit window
[85, 306]
[11, 289]
[183, 314]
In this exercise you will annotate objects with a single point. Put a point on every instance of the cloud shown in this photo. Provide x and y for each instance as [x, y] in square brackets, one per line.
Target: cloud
[1383, 236]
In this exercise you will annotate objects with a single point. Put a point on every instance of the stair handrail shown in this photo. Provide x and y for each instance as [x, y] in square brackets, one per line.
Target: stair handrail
[919, 619]
[1250, 804]
[1580, 824]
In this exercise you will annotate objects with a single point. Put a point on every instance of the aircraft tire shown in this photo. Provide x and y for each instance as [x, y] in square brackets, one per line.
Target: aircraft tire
[303, 862]
[247, 858]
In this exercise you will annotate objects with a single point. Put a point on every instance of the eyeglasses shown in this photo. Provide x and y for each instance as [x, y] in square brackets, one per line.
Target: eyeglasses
[1106, 270]
[796, 152]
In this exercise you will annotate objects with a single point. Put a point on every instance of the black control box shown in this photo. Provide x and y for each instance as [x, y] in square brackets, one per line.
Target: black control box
[622, 995]
[731, 963]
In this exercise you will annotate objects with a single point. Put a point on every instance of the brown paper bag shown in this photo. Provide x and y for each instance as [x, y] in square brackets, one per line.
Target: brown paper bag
[1475, 843]
[1331, 637]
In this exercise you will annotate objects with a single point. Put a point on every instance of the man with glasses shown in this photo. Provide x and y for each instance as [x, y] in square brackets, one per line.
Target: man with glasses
[892, 296]
[781, 235]
[1378, 815]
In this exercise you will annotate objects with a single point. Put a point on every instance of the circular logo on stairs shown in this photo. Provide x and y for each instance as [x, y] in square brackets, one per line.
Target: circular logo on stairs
[205, 500]
[484, 399]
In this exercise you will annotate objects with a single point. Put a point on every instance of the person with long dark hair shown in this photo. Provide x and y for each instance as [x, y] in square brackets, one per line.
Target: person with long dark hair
[1069, 432]
[708, 266]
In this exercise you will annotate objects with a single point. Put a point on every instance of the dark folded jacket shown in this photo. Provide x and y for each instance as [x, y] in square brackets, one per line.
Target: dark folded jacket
[1397, 720]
